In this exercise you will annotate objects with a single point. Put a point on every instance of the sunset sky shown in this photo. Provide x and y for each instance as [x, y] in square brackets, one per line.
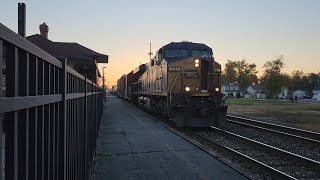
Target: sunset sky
[254, 30]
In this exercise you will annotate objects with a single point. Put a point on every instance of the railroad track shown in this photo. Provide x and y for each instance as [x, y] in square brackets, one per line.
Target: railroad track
[267, 161]
[290, 142]
[285, 130]
[276, 162]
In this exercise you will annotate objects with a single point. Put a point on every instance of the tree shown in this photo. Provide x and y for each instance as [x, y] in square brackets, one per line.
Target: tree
[313, 79]
[272, 79]
[246, 74]
[310, 81]
[241, 72]
[297, 75]
[230, 74]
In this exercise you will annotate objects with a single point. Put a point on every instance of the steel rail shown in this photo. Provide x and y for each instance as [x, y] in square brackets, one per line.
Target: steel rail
[289, 130]
[261, 166]
[275, 131]
[301, 159]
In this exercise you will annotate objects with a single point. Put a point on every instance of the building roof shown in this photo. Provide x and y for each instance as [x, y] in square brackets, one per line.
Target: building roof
[67, 50]
[257, 87]
[230, 84]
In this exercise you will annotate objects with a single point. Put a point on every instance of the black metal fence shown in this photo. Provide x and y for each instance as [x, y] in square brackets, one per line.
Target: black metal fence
[49, 114]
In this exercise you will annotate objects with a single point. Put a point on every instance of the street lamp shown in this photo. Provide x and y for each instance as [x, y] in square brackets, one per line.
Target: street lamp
[104, 90]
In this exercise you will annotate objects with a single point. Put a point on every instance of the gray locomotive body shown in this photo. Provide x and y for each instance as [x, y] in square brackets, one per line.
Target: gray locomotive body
[182, 82]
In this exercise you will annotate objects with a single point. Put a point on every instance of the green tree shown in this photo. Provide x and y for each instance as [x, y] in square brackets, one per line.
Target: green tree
[240, 72]
[246, 74]
[310, 81]
[272, 79]
[306, 82]
[297, 79]
[230, 74]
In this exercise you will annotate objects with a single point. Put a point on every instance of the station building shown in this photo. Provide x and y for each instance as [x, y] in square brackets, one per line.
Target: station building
[80, 58]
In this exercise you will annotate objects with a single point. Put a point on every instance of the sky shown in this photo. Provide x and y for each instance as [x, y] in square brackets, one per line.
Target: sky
[255, 30]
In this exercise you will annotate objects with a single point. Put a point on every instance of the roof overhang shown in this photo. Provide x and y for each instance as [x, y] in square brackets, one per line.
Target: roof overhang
[101, 58]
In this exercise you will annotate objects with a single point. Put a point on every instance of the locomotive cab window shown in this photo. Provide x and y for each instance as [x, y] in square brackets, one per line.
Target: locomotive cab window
[176, 53]
[204, 54]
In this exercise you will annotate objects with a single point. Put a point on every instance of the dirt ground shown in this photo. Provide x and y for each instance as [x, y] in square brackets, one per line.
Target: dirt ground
[301, 114]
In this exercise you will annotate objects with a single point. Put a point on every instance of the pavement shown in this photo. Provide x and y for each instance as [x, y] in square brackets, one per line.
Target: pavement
[133, 146]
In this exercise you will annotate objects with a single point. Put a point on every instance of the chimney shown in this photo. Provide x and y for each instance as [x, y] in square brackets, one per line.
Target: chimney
[44, 30]
[22, 19]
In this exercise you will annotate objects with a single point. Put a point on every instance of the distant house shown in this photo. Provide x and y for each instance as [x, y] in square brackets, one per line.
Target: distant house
[230, 89]
[300, 94]
[257, 92]
[316, 92]
[80, 58]
[283, 94]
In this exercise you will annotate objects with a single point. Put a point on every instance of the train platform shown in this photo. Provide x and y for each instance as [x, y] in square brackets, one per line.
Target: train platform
[134, 146]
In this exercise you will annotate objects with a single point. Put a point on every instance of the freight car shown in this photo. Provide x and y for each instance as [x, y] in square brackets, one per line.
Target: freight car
[181, 82]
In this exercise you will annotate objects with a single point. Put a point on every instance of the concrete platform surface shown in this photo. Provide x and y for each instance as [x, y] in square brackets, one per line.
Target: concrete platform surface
[133, 146]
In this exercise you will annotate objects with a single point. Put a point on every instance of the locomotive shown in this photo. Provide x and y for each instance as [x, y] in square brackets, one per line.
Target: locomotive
[181, 82]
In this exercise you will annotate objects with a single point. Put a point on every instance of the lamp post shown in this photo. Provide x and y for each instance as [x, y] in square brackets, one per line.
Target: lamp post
[103, 87]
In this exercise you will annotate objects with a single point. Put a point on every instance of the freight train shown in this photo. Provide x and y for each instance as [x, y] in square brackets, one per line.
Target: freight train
[181, 82]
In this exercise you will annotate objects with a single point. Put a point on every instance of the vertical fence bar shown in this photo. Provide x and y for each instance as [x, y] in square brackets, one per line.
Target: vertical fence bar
[67, 128]
[36, 121]
[1, 82]
[26, 138]
[1, 116]
[11, 119]
[77, 137]
[57, 123]
[48, 122]
[53, 125]
[92, 128]
[22, 114]
[62, 171]
[15, 115]
[40, 121]
[96, 119]
[86, 130]
[33, 120]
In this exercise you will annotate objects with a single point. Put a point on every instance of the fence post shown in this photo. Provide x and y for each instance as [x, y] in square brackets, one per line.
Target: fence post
[62, 171]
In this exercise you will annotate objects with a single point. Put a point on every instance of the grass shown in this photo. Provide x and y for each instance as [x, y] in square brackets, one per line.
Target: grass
[304, 115]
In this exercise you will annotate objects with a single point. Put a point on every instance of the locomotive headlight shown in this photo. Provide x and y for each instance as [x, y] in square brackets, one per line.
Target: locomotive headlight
[187, 89]
[197, 61]
[217, 89]
[196, 65]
